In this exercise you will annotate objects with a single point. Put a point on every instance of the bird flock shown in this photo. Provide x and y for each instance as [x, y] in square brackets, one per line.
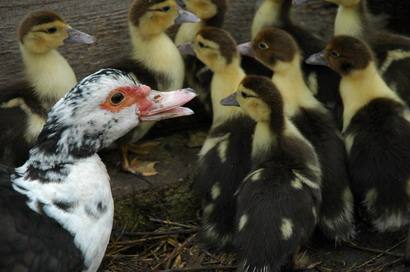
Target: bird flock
[307, 135]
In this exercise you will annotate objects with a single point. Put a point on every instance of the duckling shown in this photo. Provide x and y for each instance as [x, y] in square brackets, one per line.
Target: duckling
[323, 82]
[211, 13]
[198, 77]
[278, 201]
[155, 60]
[57, 208]
[24, 106]
[224, 159]
[392, 51]
[279, 51]
[376, 128]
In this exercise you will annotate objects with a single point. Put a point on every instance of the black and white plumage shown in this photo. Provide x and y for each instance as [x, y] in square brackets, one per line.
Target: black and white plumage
[224, 159]
[57, 208]
[376, 132]
[279, 51]
[278, 201]
[322, 81]
[48, 75]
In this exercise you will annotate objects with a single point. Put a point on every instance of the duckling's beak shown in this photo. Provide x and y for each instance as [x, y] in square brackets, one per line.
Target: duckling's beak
[317, 59]
[76, 36]
[299, 2]
[166, 105]
[230, 100]
[186, 49]
[245, 49]
[185, 16]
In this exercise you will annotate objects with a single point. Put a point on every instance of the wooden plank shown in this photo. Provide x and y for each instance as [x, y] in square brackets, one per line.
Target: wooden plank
[106, 20]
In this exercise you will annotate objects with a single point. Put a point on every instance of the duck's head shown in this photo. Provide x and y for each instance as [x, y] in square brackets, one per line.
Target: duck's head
[260, 99]
[106, 105]
[152, 17]
[275, 48]
[42, 31]
[346, 55]
[208, 9]
[216, 48]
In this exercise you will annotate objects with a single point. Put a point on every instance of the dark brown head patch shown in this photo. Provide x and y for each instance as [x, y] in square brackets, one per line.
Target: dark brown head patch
[139, 8]
[36, 18]
[270, 95]
[345, 54]
[218, 19]
[273, 44]
[227, 45]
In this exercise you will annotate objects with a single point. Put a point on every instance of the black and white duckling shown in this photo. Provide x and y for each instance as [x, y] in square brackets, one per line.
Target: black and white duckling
[392, 51]
[376, 128]
[48, 76]
[279, 51]
[155, 60]
[57, 209]
[323, 82]
[279, 200]
[224, 159]
[198, 77]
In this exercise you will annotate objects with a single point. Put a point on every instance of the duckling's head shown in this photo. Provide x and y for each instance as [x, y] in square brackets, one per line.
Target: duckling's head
[152, 17]
[260, 99]
[216, 48]
[276, 49]
[347, 55]
[207, 9]
[42, 31]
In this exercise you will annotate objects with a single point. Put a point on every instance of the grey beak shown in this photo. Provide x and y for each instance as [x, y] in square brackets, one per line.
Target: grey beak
[230, 100]
[186, 49]
[245, 49]
[76, 36]
[185, 16]
[317, 59]
[299, 2]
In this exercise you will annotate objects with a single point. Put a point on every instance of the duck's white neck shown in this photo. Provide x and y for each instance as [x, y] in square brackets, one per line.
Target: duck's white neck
[224, 83]
[50, 75]
[263, 139]
[81, 203]
[288, 78]
[350, 20]
[268, 14]
[359, 88]
[187, 31]
[159, 54]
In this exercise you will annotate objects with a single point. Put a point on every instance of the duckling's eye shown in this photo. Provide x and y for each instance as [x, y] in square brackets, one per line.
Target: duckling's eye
[117, 98]
[201, 44]
[335, 54]
[245, 95]
[166, 8]
[51, 30]
[263, 45]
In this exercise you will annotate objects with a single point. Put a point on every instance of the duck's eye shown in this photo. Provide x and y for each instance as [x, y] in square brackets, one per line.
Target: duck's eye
[245, 95]
[166, 8]
[117, 98]
[51, 30]
[201, 44]
[263, 45]
[335, 54]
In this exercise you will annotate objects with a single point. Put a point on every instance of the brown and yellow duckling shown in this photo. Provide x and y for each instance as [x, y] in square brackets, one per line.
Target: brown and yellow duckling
[376, 129]
[280, 52]
[278, 202]
[48, 77]
[224, 159]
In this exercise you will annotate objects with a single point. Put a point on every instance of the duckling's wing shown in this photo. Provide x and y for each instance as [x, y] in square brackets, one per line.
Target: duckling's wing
[30, 241]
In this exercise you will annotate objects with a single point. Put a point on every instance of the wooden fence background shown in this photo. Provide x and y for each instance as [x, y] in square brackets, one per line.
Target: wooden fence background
[107, 21]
